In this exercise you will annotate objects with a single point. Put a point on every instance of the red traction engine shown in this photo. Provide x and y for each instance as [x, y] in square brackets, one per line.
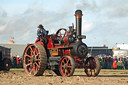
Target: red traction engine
[61, 52]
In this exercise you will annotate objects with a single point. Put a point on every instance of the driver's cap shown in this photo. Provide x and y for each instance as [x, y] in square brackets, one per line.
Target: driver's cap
[40, 26]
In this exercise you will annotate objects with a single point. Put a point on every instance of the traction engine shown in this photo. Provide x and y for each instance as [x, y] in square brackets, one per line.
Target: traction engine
[61, 52]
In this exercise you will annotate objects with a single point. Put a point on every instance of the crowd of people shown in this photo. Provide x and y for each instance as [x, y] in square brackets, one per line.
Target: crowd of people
[110, 62]
[106, 62]
[16, 62]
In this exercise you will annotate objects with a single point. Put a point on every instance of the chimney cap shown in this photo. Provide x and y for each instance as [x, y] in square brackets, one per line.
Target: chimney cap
[78, 12]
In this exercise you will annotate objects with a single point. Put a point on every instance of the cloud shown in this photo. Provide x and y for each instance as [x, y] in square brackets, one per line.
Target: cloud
[23, 26]
[102, 20]
[109, 8]
[127, 34]
[87, 26]
[2, 28]
[87, 5]
[3, 17]
[115, 9]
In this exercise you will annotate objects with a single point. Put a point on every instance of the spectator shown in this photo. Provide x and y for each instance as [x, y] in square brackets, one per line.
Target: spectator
[121, 61]
[103, 61]
[11, 57]
[15, 61]
[110, 62]
[21, 63]
[100, 61]
[115, 64]
[106, 62]
[126, 62]
[119, 65]
[115, 58]
[18, 61]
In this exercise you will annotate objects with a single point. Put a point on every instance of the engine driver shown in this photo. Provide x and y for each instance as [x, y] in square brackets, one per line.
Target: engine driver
[41, 32]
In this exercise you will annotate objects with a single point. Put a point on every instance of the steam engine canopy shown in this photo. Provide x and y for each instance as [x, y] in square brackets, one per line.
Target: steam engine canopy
[79, 49]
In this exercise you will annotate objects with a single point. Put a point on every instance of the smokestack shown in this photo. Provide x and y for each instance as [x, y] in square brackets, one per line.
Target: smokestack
[78, 15]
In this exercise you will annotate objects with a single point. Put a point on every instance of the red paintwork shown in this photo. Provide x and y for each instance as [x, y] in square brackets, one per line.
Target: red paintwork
[38, 41]
[67, 52]
[66, 40]
[50, 43]
[79, 62]
[64, 52]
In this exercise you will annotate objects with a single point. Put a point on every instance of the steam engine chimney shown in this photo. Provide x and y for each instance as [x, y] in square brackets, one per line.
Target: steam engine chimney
[78, 15]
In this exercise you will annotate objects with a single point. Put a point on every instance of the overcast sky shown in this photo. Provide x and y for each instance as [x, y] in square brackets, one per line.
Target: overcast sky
[104, 21]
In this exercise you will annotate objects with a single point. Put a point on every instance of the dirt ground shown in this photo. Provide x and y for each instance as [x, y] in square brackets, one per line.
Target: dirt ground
[106, 77]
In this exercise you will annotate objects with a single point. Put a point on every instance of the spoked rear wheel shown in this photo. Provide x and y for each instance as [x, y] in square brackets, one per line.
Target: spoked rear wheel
[92, 67]
[34, 59]
[67, 66]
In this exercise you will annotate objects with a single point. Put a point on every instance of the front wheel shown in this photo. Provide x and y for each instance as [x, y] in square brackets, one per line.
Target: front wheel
[92, 67]
[67, 66]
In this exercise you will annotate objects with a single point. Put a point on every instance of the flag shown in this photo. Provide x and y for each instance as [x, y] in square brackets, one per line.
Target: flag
[12, 37]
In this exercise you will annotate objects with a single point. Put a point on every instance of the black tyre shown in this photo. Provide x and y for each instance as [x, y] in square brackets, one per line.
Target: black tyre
[7, 65]
[92, 67]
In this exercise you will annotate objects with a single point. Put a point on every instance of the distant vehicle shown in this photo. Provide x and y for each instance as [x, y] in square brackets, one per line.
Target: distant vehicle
[120, 52]
[5, 61]
[94, 51]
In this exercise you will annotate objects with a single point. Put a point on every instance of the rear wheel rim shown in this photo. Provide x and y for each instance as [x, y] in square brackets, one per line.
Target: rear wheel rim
[66, 67]
[31, 60]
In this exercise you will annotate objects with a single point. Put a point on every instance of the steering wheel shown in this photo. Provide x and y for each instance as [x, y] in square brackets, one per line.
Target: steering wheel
[61, 33]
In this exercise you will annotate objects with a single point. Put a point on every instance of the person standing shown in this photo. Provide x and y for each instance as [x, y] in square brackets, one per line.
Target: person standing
[102, 61]
[15, 61]
[106, 62]
[115, 63]
[121, 61]
[99, 60]
[125, 62]
[110, 62]
[18, 61]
